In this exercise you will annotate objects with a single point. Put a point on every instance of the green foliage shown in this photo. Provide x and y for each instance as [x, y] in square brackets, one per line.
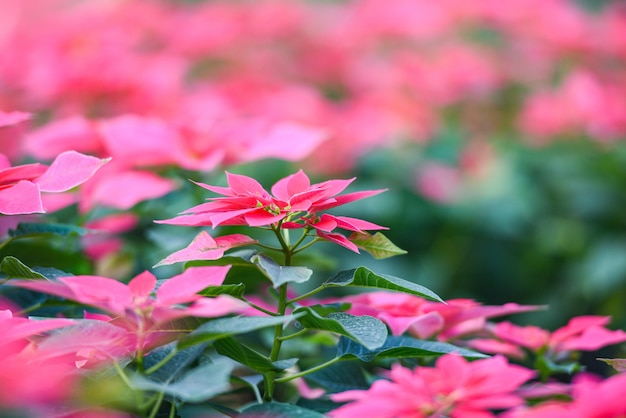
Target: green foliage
[223, 327]
[364, 277]
[401, 347]
[15, 269]
[378, 245]
[366, 330]
[278, 410]
[280, 275]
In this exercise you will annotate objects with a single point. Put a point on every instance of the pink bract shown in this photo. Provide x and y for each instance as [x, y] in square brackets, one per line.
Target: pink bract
[21, 186]
[246, 202]
[454, 387]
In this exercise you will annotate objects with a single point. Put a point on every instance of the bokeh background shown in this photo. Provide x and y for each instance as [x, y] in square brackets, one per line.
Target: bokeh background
[497, 126]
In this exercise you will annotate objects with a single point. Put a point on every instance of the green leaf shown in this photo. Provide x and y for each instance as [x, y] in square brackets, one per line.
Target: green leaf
[175, 365]
[378, 245]
[280, 275]
[278, 410]
[235, 290]
[33, 229]
[401, 347]
[15, 269]
[243, 354]
[223, 327]
[197, 385]
[366, 330]
[362, 276]
[339, 377]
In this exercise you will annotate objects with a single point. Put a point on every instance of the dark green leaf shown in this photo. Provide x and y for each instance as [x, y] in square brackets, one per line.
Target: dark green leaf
[235, 290]
[278, 410]
[378, 245]
[339, 377]
[223, 327]
[199, 384]
[32, 229]
[401, 347]
[243, 354]
[364, 277]
[280, 275]
[15, 269]
[367, 330]
[175, 365]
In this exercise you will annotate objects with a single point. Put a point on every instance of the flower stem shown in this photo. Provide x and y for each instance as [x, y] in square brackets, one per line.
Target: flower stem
[270, 377]
[308, 371]
[306, 295]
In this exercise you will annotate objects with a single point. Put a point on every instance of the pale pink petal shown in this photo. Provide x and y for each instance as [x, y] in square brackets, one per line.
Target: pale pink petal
[577, 325]
[245, 186]
[214, 307]
[205, 247]
[68, 170]
[422, 326]
[184, 287]
[529, 336]
[288, 141]
[140, 141]
[202, 219]
[492, 346]
[75, 133]
[143, 284]
[24, 197]
[4, 162]
[102, 292]
[343, 199]
[58, 201]
[592, 339]
[291, 185]
[338, 239]
[354, 224]
[12, 118]
[21, 172]
[125, 189]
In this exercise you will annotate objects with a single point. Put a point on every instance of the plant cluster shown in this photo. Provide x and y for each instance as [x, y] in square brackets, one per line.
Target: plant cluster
[128, 291]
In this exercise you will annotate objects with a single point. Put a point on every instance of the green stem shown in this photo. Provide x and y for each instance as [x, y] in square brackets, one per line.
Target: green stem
[305, 234]
[306, 295]
[308, 371]
[269, 247]
[157, 405]
[160, 364]
[258, 308]
[270, 377]
[307, 245]
[294, 335]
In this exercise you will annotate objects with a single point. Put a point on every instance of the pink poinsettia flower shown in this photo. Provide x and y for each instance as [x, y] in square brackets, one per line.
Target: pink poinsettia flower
[583, 333]
[26, 377]
[453, 388]
[293, 203]
[21, 186]
[425, 319]
[591, 398]
[246, 202]
[133, 305]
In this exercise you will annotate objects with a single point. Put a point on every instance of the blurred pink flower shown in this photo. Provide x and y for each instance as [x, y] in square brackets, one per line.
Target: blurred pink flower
[21, 186]
[454, 388]
[591, 398]
[133, 306]
[584, 333]
[425, 319]
[27, 379]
